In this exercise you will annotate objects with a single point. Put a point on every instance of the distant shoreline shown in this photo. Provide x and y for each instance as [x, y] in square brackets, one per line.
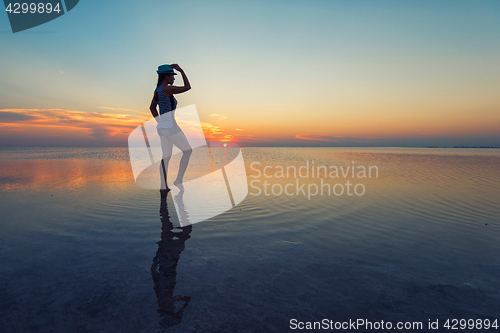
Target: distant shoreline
[277, 146]
[487, 147]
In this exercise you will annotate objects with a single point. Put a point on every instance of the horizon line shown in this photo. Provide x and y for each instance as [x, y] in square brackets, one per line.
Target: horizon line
[278, 146]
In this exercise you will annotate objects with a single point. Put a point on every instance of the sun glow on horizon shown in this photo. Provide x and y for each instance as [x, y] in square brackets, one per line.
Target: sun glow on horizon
[46, 127]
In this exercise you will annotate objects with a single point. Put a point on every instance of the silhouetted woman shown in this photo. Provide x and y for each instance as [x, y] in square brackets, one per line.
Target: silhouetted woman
[170, 133]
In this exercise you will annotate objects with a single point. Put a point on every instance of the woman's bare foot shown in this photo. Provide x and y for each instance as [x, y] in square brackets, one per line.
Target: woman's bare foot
[179, 185]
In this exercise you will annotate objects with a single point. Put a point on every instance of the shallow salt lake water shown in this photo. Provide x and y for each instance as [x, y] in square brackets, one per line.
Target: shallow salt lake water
[84, 249]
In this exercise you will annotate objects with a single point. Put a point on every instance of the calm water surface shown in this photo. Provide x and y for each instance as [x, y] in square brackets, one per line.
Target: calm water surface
[83, 249]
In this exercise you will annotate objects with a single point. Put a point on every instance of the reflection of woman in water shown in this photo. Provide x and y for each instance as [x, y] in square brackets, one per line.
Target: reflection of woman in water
[170, 133]
[163, 270]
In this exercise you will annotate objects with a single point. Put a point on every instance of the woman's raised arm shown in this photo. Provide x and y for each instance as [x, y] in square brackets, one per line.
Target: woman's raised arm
[169, 90]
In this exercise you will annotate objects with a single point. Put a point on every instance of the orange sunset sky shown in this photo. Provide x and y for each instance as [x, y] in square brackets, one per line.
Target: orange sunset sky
[275, 73]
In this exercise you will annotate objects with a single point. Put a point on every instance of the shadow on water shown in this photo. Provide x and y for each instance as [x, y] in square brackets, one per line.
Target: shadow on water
[163, 270]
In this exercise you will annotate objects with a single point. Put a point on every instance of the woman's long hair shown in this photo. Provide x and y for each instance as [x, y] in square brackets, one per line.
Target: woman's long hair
[161, 77]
